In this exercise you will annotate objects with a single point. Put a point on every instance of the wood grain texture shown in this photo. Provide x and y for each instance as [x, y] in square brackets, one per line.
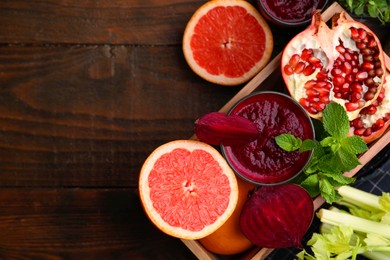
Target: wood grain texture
[95, 22]
[80, 224]
[89, 116]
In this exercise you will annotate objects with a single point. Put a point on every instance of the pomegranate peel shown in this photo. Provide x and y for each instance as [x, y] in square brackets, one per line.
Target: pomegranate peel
[216, 128]
[344, 64]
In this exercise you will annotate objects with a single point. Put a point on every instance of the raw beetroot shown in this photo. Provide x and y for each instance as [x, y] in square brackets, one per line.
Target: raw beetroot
[217, 128]
[277, 216]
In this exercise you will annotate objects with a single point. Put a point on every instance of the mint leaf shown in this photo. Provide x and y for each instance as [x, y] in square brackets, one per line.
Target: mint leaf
[288, 142]
[354, 144]
[337, 179]
[329, 141]
[310, 184]
[328, 191]
[335, 120]
[307, 145]
[347, 160]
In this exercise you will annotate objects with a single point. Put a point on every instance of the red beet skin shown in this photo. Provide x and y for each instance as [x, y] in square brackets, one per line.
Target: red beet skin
[277, 216]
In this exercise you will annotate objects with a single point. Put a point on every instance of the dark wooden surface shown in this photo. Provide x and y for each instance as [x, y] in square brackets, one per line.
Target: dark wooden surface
[87, 90]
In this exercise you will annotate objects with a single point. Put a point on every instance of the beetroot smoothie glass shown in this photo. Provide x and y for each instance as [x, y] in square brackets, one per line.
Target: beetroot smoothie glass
[262, 161]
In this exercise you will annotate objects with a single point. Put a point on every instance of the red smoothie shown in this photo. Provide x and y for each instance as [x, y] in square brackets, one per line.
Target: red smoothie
[263, 161]
[290, 11]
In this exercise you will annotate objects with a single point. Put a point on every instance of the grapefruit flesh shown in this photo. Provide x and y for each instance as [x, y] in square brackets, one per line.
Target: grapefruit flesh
[227, 42]
[187, 189]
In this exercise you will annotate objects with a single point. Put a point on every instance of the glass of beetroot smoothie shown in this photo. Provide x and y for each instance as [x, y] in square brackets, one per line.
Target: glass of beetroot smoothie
[290, 13]
[262, 161]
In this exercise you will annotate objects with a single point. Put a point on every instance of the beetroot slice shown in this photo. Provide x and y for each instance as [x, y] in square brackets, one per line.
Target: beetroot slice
[216, 128]
[277, 216]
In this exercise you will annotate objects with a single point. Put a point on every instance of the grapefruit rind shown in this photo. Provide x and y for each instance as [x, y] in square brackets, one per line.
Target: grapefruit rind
[221, 78]
[154, 216]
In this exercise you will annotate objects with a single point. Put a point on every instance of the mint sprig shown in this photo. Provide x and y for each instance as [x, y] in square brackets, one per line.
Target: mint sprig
[378, 9]
[333, 155]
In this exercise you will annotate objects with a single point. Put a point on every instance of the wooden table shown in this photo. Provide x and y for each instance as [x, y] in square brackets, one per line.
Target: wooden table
[87, 90]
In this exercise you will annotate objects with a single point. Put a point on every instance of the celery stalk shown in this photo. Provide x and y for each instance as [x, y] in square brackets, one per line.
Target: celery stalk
[359, 198]
[377, 255]
[356, 223]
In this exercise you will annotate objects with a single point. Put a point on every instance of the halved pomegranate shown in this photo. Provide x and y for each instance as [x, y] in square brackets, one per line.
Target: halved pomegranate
[344, 64]
[374, 119]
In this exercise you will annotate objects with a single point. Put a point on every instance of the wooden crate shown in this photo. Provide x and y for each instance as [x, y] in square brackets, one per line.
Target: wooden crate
[270, 79]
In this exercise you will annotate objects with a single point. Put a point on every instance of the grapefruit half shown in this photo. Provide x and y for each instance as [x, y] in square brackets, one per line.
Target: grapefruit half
[227, 42]
[187, 189]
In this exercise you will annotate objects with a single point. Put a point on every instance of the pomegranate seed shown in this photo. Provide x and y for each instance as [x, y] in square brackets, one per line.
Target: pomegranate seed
[308, 70]
[368, 58]
[337, 95]
[294, 60]
[338, 80]
[378, 124]
[319, 106]
[311, 110]
[381, 96]
[340, 49]
[362, 34]
[354, 32]
[322, 75]
[340, 58]
[351, 106]
[369, 82]
[367, 65]
[306, 54]
[366, 51]
[355, 96]
[348, 56]
[369, 96]
[350, 78]
[323, 92]
[379, 72]
[359, 131]
[345, 88]
[336, 72]
[356, 87]
[313, 99]
[312, 92]
[314, 60]
[324, 99]
[361, 45]
[386, 117]
[357, 123]
[370, 110]
[309, 84]
[372, 43]
[361, 75]
[304, 102]
[371, 73]
[367, 132]
[299, 67]
[288, 70]
[346, 67]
